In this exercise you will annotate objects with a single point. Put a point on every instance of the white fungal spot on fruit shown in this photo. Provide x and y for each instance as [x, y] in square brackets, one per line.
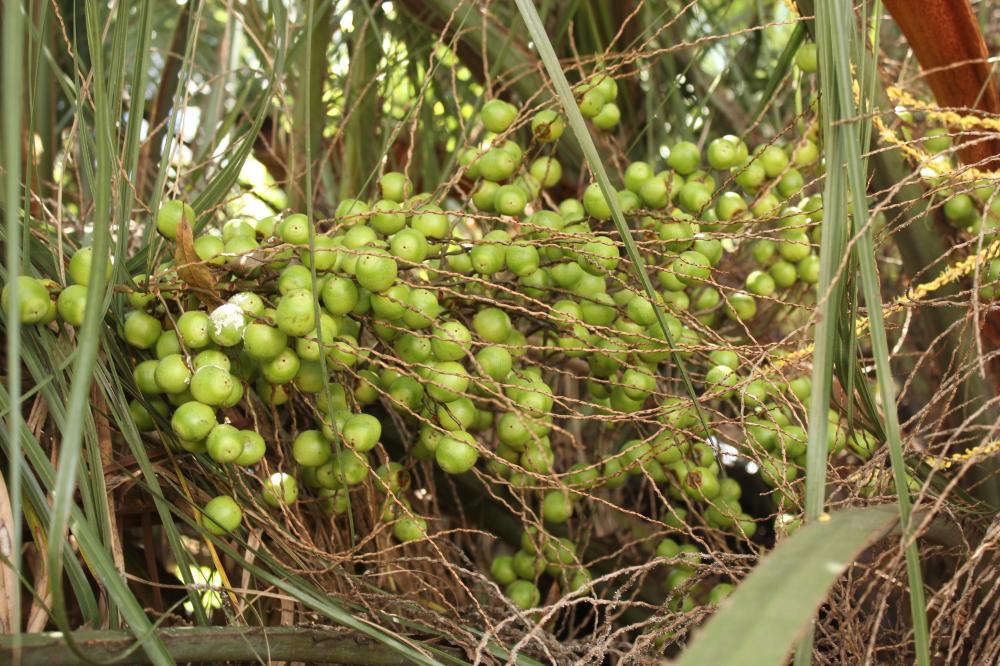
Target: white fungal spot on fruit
[227, 316]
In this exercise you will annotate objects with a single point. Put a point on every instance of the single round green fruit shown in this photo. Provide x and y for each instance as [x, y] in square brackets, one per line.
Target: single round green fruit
[221, 515]
[211, 385]
[456, 452]
[280, 489]
[362, 432]
[296, 313]
[311, 449]
[193, 420]
[376, 270]
[79, 266]
[523, 594]
[173, 375]
[497, 115]
[557, 507]
[72, 304]
[224, 443]
[254, 448]
[410, 528]
[168, 218]
[547, 126]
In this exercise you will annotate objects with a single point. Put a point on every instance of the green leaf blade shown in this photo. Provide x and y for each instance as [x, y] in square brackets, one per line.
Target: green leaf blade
[759, 623]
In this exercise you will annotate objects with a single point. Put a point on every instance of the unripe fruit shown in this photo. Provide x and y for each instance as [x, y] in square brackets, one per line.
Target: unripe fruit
[684, 158]
[409, 245]
[497, 115]
[222, 515]
[590, 100]
[395, 186]
[79, 266]
[547, 171]
[523, 594]
[447, 380]
[296, 313]
[254, 448]
[212, 357]
[496, 362]
[692, 267]
[937, 140]
[608, 117]
[262, 342]
[224, 443]
[193, 328]
[791, 183]
[168, 218]
[172, 374]
[760, 283]
[784, 274]
[280, 489]
[72, 304]
[387, 218]
[794, 246]
[502, 570]
[806, 58]
[808, 269]
[233, 228]
[510, 200]
[863, 443]
[144, 375]
[556, 507]
[410, 528]
[547, 126]
[595, 204]
[282, 368]
[522, 259]
[375, 270]
[311, 449]
[294, 229]
[741, 306]
[193, 420]
[726, 357]
[362, 432]
[774, 160]
[34, 302]
[325, 252]
[226, 325]
[694, 197]
[456, 452]
[458, 414]
[142, 418]
[492, 325]
[351, 210]
[723, 154]
[751, 176]
[211, 385]
[312, 345]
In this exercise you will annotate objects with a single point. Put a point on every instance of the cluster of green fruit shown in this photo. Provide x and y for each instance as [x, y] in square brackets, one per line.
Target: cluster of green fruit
[463, 324]
[43, 301]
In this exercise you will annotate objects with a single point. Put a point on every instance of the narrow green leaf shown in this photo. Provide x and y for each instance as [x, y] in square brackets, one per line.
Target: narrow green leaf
[758, 624]
[13, 39]
[843, 123]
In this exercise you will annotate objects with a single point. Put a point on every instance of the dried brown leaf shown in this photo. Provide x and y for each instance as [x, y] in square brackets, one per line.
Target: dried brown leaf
[192, 269]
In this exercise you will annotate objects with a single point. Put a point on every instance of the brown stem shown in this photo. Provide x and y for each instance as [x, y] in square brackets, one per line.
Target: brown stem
[210, 644]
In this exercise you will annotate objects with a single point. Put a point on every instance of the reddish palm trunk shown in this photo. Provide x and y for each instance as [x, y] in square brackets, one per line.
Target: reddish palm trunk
[946, 40]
